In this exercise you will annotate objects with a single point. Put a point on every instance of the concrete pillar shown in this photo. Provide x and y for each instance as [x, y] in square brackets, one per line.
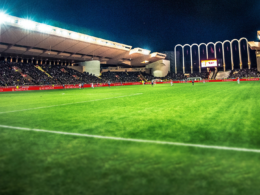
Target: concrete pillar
[257, 53]
[224, 67]
[93, 67]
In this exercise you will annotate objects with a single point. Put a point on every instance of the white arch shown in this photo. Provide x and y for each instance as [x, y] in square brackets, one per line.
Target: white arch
[199, 54]
[223, 53]
[183, 64]
[215, 53]
[191, 62]
[231, 50]
[215, 50]
[248, 55]
[175, 56]
[207, 48]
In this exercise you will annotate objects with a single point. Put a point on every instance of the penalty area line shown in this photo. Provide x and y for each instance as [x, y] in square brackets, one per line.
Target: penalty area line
[136, 140]
[70, 103]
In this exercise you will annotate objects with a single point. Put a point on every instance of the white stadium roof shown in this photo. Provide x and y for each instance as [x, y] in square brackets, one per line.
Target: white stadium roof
[28, 39]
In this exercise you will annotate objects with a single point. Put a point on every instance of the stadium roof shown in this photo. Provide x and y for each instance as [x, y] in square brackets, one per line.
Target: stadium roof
[28, 39]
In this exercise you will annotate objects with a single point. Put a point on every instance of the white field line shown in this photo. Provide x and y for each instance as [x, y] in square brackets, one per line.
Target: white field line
[136, 140]
[70, 103]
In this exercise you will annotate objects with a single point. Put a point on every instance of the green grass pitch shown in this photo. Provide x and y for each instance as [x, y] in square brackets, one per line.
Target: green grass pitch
[214, 114]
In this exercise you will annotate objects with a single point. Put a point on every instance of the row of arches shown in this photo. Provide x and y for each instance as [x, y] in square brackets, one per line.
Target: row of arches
[215, 53]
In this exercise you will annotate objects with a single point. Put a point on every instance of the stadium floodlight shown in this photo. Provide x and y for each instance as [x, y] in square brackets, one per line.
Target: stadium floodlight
[59, 32]
[44, 28]
[146, 52]
[9, 19]
[65, 33]
[75, 35]
[2, 18]
[27, 24]
[153, 55]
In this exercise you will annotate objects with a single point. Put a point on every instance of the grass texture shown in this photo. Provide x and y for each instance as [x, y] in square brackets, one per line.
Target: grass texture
[217, 114]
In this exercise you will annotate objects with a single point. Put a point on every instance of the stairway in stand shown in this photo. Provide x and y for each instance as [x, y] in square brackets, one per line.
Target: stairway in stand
[25, 76]
[223, 75]
[142, 77]
[211, 74]
[40, 68]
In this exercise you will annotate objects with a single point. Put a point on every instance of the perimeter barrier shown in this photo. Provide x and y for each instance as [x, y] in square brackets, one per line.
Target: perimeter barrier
[71, 86]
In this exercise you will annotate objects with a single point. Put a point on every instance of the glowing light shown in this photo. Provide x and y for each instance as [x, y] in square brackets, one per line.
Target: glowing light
[65, 33]
[89, 39]
[258, 36]
[44, 28]
[59, 32]
[146, 52]
[27, 24]
[144, 62]
[75, 35]
[153, 55]
[2, 18]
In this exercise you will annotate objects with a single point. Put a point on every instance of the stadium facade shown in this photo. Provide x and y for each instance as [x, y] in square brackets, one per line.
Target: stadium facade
[25, 40]
[22, 39]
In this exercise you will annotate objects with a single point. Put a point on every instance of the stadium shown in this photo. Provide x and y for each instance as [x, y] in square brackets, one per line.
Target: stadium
[80, 114]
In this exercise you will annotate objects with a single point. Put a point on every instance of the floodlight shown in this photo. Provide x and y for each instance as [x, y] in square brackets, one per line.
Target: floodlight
[65, 33]
[9, 19]
[146, 52]
[44, 28]
[75, 35]
[100, 41]
[59, 31]
[2, 18]
[28, 24]
[153, 55]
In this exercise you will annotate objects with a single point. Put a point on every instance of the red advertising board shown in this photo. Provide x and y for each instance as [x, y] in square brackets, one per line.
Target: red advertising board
[50, 87]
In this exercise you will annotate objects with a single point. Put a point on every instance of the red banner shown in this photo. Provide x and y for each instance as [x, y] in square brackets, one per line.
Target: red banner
[71, 86]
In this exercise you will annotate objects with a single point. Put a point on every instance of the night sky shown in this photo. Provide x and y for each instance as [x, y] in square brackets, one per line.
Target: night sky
[157, 25]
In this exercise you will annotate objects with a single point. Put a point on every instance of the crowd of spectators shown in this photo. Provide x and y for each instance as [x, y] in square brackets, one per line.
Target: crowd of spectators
[12, 74]
[9, 75]
[121, 76]
[244, 73]
[83, 77]
[39, 77]
[203, 75]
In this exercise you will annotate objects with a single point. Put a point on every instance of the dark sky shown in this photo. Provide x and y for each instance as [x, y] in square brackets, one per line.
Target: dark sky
[157, 25]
